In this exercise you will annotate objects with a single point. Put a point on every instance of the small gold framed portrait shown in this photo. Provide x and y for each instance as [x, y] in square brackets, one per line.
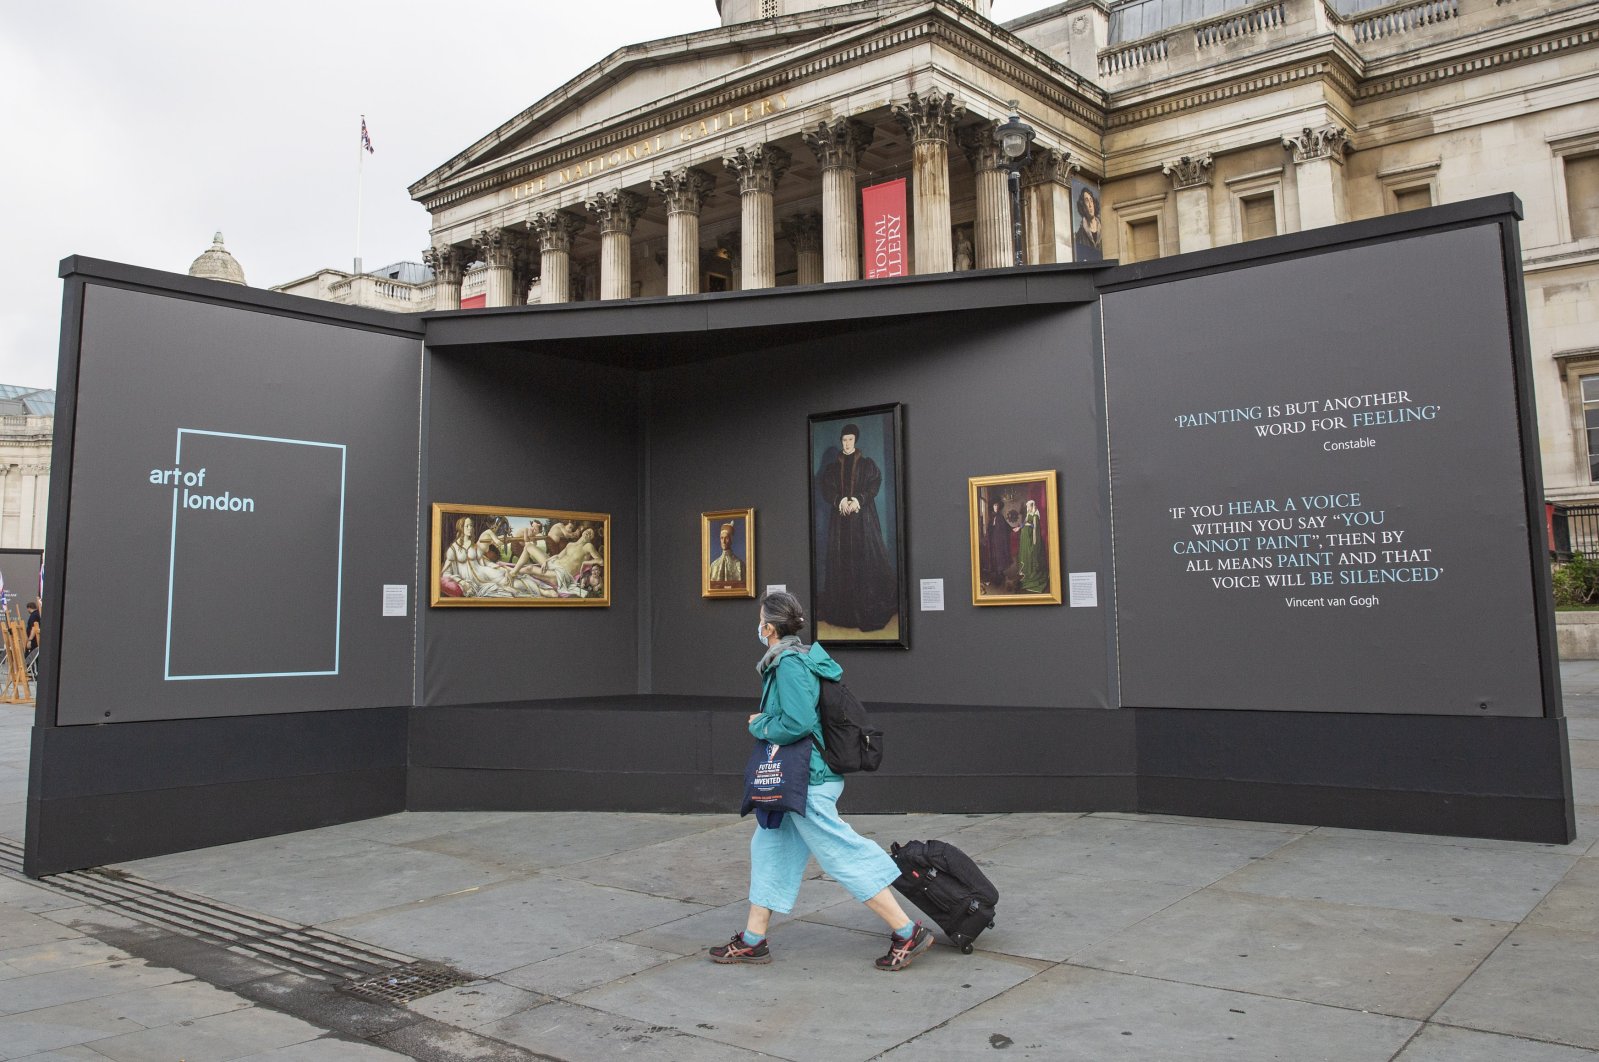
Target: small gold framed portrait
[489, 555]
[1016, 539]
[727, 553]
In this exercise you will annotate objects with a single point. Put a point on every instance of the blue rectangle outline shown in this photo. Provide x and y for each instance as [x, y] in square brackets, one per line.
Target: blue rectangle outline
[172, 558]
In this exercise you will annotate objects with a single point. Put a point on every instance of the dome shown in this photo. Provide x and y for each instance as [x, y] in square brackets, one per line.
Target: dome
[218, 264]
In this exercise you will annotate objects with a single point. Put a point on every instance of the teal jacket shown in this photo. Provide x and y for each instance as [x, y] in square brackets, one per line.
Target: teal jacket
[790, 689]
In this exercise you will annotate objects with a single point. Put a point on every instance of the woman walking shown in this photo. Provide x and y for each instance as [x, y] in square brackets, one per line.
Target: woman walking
[791, 676]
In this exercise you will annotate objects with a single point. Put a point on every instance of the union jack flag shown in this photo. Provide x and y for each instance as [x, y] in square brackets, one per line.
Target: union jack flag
[366, 140]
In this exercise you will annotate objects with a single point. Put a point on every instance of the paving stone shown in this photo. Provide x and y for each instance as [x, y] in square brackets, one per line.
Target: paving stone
[213, 1039]
[1574, 903]
[1126, 850]
[53, 1028]
[1584, 753]
[1440, 1043]
[560, 839]
[1576, 848]
[1539, 984]
[36, 991]
[24, 929]
[57, 955]
[408, 827]
[305, 881]
[711, 867]
[28, 896]
[113, 1015]
[431, 1041]
[820, 970]
[488, 932]
[1585, 785]
[1041, 914]
[1375, 959]
[1195, 820]
[326, 1049]
[66, 1054]
[695, 933]
[578, 1034]
[980, 838]
[1408, 876]
[1068, 1014]
[479, 1003]
[888, 829]
[586, 968]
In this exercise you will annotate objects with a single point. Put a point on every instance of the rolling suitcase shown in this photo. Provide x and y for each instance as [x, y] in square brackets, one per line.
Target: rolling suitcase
[944, 883]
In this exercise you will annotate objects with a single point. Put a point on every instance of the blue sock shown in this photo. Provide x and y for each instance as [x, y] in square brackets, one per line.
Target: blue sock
[904, 932]
[753, 939]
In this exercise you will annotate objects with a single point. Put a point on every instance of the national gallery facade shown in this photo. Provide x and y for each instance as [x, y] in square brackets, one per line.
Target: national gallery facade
[738, 157]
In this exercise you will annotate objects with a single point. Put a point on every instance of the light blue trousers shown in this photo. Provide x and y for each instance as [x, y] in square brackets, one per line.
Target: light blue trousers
[777, 857]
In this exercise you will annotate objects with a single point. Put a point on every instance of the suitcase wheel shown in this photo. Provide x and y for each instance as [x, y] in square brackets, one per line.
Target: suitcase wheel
[991, 925]
[966, 949]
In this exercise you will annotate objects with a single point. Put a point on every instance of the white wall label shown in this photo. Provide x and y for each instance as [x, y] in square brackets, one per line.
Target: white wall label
[395, 596]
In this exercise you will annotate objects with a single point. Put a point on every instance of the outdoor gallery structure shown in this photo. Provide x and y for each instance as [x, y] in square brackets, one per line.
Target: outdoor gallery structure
[1305, 579]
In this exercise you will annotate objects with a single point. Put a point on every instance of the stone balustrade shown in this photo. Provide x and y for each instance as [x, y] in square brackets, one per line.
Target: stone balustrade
[1404, 17]
[1236, 25]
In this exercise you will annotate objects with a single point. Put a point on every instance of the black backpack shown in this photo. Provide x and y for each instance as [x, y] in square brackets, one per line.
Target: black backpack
[849, 742]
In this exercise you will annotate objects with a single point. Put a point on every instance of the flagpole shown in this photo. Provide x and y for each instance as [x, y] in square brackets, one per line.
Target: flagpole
[360, 181]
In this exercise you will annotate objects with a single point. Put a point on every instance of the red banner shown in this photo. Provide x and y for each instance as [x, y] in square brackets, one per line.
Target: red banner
[883, 213]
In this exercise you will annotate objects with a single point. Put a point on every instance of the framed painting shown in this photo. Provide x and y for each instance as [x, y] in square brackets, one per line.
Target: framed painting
[485, 555]
[727, 553]
[1016, 539]
[860, 594]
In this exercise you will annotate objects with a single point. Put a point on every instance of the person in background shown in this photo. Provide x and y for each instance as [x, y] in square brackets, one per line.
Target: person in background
[32, 626]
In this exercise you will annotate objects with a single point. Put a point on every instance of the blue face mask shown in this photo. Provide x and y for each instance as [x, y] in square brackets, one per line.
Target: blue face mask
[758, 635]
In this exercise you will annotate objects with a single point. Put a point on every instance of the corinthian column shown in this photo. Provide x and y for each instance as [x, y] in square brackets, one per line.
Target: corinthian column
[804, 232]
[1190, 180]
[991, 226]
[554, 230]
[838, 145]
[759, 168]
[1319, 162]
[1047, 205]
[447, 263]
[616, 211]
[929, 121]
[499, 248]
[684, 192]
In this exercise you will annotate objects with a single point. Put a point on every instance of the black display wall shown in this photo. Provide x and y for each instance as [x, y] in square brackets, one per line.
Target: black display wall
[657, 410]
[224, 670]
[529, 430]
[20, 568]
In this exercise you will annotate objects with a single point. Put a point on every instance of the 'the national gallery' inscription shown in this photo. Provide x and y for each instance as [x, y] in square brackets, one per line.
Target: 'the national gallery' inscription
[697, 129]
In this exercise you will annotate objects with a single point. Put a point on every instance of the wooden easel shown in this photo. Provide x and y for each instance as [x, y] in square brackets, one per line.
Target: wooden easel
[17, 688]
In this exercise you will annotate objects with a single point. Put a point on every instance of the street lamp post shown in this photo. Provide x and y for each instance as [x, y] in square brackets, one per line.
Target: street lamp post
[1015, 139]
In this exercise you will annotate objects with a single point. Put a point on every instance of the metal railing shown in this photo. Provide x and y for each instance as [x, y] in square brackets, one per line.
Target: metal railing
[1574, 529]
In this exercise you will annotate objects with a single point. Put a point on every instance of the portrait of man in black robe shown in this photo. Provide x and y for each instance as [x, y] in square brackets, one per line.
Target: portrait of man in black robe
[859, 589]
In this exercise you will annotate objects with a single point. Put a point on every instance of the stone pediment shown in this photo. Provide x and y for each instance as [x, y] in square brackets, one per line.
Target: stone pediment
[646, 76]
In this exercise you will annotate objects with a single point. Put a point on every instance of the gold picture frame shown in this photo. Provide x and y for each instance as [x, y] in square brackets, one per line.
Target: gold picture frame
[740, 551]
[486, 564]
[1016, 539]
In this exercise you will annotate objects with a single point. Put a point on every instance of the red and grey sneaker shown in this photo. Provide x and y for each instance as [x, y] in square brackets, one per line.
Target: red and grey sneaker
[900, 952]
[736, 950]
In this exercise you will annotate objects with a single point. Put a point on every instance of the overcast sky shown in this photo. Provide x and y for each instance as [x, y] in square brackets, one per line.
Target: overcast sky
[133, 132]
